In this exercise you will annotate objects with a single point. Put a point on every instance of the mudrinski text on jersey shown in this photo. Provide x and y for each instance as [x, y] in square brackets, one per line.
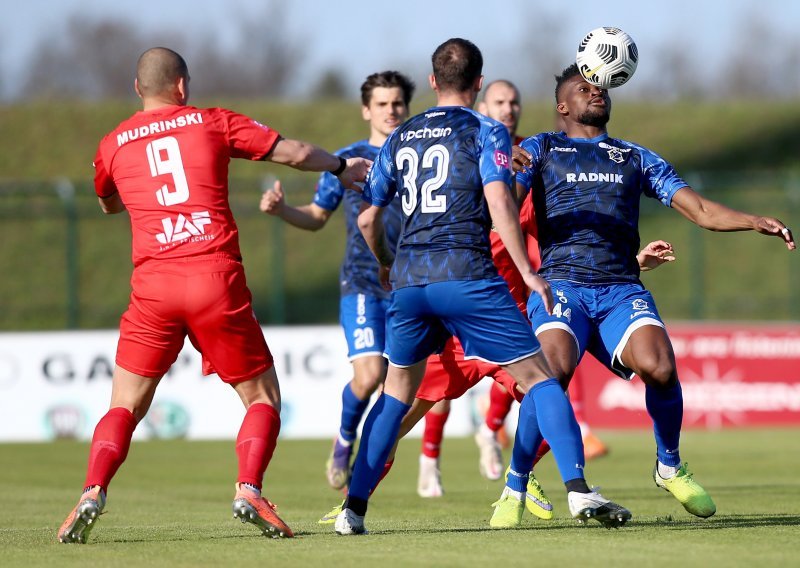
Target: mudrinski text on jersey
[159, 127]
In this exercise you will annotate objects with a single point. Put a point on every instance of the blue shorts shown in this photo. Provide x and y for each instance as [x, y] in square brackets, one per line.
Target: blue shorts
[599, 318]
[363, 318]
[480, 313]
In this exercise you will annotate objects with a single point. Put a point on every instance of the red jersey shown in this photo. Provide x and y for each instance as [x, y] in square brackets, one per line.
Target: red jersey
[502, 260]
[170, 166]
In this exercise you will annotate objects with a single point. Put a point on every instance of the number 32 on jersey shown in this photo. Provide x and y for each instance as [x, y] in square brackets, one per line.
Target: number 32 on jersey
[438, 157]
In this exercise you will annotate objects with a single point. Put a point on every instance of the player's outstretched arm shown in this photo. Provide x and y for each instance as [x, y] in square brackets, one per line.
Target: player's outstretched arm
[505, 217]
[370, 223]
[717, 217]
[308, 157]
[654, 255]
[309, 217]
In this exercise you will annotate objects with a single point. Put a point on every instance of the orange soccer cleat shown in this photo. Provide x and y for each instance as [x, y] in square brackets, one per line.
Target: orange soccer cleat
[81, 520]
[593, 447]
[250, 507]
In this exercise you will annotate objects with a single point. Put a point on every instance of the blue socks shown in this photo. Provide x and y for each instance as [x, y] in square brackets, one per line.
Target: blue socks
[665, 407]
[378, 437]
[546, 413]
[352, 410]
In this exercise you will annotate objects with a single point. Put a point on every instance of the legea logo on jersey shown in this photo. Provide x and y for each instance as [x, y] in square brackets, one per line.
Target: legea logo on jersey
[183, 228]
[501, 159]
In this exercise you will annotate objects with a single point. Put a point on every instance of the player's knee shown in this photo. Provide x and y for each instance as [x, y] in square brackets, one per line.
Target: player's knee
[659, 372]
[365, 384]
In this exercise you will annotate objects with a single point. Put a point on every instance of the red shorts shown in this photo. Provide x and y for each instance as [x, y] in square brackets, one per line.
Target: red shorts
[448, 375]
[205, 298]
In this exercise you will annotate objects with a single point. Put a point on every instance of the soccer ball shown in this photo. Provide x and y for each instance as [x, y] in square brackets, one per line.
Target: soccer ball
[607, 57]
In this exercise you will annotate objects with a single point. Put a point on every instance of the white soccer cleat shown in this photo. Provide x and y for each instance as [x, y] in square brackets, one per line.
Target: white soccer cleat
[585, 506]
[490, 462]
[349, 523]
[429, 484]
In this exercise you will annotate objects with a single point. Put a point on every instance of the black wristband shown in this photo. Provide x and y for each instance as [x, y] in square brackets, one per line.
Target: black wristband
[342, 166]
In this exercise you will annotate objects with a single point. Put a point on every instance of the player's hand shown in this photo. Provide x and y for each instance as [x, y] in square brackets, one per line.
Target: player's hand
[355, 173]
[272, 200]
[538, 285]
[772, 226]
[520, 159]
[383, 277]
[654, 255]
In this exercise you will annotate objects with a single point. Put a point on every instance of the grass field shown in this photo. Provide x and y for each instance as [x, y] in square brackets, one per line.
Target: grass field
[170, 506]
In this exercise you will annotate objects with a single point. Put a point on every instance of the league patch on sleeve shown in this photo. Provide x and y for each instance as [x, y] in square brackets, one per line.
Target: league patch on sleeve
[501, 159]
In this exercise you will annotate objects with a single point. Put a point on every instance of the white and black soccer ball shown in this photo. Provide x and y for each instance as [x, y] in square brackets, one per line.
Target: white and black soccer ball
[607, 57]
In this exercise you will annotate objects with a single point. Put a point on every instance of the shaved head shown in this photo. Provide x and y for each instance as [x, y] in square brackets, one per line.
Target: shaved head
[158, 71]
[499, 84]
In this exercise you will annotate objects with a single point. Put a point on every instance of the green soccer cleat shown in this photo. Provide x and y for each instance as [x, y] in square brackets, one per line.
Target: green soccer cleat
[687, 491]
[507, 511]
[329, 518]
[536, 501]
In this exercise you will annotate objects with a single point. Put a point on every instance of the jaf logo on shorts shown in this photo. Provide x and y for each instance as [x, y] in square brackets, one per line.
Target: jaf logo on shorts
[501, 159]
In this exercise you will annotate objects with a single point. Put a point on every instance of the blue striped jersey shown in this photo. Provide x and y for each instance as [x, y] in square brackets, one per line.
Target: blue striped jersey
[439, 162]
[359, 271]
[586, 195]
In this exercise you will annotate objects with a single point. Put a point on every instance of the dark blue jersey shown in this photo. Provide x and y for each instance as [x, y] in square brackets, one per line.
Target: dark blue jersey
[439, 162]
[359, 272]
[586, 195]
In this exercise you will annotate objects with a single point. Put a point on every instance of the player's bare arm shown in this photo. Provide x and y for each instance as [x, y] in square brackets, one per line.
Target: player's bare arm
[308, 157]
[654, 255]
[309, 217]
[370, 223]
[505, 217]
[111, 204]
[717, 217]
[520, 158]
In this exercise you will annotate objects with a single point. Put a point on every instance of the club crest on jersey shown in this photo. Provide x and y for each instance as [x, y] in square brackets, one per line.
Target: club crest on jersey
[183, 228]
[501, 159]
[615, 154]
[639, 304]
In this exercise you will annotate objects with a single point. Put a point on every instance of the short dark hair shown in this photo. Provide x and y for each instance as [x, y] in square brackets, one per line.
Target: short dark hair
[457, 63]
[567, 74]
[158, 69]
[387, 80]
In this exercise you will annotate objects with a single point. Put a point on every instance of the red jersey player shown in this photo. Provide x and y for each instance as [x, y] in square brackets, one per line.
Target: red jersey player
[167, 165]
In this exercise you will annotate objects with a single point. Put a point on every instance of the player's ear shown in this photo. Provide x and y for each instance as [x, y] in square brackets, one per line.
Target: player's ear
[562, 109]
[479, 84]
[137, 89]
[432, 81]
[365, 113]
[183, 89]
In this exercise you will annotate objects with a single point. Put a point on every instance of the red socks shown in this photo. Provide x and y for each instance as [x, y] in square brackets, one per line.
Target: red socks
[434, 432]
[500, 401]
[386, 468]
[544, 447]
[256, 442]
[110, 444]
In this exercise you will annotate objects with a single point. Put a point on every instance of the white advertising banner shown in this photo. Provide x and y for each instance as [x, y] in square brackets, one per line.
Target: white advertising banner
[58, 385]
